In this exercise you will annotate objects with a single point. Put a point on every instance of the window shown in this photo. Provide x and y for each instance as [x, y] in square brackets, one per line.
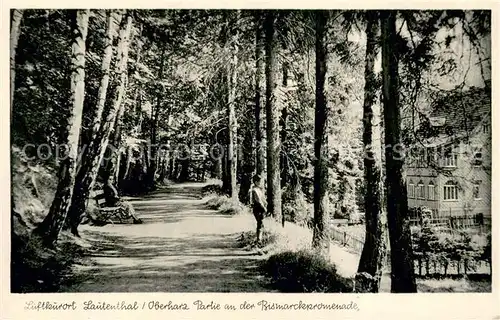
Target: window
[431, 191]
[486, 128]
[420, 190]
[478, 159]
[450, 191]
[450, 159]
[411, 190]
[476, 187]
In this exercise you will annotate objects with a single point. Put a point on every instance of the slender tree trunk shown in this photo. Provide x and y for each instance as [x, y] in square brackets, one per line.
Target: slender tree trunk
[272, 117]
[233, 124]
[171, 167]
[373, 254]
[226, 182]
[95, 153]
[15, 32]
[321, 240]
[247, 163]
[113, 19]
[260, 111]
[116, 141]
[283, 135]
[155, 115]
[51, 226]
[402, 276]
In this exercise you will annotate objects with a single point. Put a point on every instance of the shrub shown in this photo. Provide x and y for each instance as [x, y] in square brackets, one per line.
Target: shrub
[304, 271]
[248, 239]
[296, 208]
[212, 189]
[435, 246]
[226, 205]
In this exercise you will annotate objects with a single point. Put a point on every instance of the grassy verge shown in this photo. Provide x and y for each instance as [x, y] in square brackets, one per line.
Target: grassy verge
[471, 283]
[304, 271]
[216, 199]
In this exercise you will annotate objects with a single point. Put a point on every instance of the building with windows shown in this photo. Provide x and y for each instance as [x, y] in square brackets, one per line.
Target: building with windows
[448, 168]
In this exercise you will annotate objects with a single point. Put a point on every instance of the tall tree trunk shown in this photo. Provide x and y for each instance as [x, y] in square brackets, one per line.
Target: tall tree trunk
[95, 152]
[113, 19]
[15, 32]
[373, 254]
[283, 135]
[155, 118]
[115, 150]
[51, 226]
[171, 167]
[248, 161]
[402, 276]
[233, 124]
[321, 240]
[272, 117]
[226, 181]
[260, 111]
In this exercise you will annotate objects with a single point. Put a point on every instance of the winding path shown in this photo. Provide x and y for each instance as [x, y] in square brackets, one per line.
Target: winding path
[181, 247]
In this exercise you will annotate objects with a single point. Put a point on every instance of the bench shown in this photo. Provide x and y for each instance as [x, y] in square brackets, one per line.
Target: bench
[107, 214]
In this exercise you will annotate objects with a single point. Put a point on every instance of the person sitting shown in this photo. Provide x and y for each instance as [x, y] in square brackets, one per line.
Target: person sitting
[113, 200]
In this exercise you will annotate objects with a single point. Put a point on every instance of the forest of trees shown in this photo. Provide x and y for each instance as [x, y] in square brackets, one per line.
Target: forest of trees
[305, 99]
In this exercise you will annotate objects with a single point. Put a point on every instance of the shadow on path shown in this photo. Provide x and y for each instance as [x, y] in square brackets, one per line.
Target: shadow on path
[181, 247]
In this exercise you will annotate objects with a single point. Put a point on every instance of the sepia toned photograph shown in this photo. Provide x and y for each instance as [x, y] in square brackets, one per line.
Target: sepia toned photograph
[238, 150]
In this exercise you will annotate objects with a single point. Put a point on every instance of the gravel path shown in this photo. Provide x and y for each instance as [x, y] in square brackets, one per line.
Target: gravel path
[181, 247]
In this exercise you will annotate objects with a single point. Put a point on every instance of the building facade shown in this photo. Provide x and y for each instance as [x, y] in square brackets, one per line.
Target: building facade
[449, 171]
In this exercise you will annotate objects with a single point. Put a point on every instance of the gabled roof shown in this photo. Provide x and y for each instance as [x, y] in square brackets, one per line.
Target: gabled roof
[456, 114]
[462, 110]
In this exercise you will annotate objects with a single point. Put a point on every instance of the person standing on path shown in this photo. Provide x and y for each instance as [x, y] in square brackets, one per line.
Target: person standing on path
[259, 206]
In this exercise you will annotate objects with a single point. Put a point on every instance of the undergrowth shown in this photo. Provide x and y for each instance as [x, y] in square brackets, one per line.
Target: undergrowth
[226, 205]
[247, 239]
[34, 268]
[304, 271]
[212, 189]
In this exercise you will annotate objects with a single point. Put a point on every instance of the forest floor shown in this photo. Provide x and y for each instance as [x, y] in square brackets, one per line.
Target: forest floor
[182, 246]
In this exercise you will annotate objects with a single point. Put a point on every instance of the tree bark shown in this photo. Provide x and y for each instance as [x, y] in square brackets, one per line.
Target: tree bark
[402, 275]
[51, 226]
[373, 254]
[283, 133]
[272, 118]
[260, 111]
[321, 240]
[95, 153]
[15, 32]
[113, 18]
[115, 150]
[248, 162]
[155, 118]
[233, 124]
